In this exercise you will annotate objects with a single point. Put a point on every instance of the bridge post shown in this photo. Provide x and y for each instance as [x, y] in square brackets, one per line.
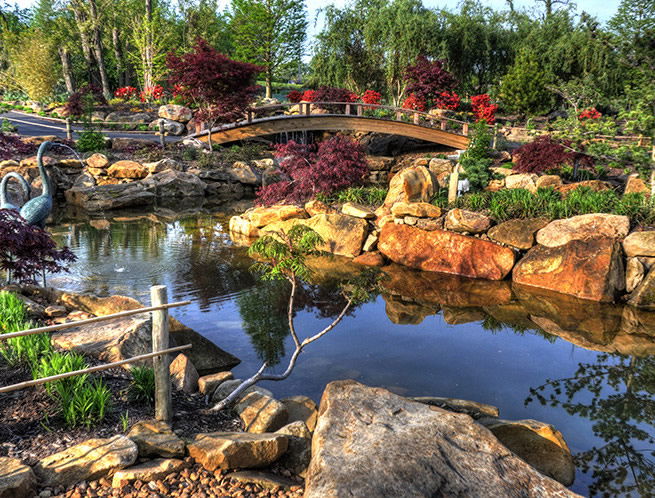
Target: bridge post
[348, 109]
[444, 124]
[399, 116]
[249, 114]
[308, 109]
[360, 109]
[417, 118]
[465, 129]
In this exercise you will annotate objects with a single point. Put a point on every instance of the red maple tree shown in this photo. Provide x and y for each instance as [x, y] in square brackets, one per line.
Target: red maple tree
[428, 79]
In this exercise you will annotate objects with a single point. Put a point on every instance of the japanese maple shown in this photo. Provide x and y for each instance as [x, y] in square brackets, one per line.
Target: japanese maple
[545, 153]
[372, 97]
[483, 109]
[294, 96]
[12, 147]
[414, 103]
[428, 79]
[309, 170]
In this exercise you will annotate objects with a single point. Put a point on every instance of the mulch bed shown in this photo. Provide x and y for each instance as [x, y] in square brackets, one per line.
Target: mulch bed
[30, 428]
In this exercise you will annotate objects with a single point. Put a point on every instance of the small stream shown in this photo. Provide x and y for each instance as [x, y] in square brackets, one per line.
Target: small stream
[587, 374]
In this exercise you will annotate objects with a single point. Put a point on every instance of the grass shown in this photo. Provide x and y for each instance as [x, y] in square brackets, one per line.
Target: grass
[142, 386]
[369, 196]
[509, 204]
[19, 350]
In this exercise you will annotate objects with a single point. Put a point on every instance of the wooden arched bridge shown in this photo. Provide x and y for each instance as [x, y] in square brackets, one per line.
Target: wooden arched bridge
[341, 116]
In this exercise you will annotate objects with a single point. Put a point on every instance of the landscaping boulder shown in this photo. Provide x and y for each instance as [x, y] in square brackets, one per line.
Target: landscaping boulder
[396, 447]
[589, 269]
[447, 252]
[409, 185]
[636, 185]
[539, 444]
[441, 170]
[243, 172]
[237, 450]
[128, 169]
[315, 207]
[546, 181]
[16, 479]
[154, 470]
[635, 272]
[472, 408]
[593, 185]
[261, 216]
[640, 244]
[242, 226]
[108, 197]
[527, 181]
[519, 234]
[299, 453]
[226, 388]
[98, 161]
[175, 113]
[109, 341]
[417, 209]
[184, 375]
[302, 409]
[86, 461]
[170, 127]
[156, 439]
[460, 220]
[644, 295]
[208, 383]
[175, 184]
[357, 211]
[584, 226]
[260, 413]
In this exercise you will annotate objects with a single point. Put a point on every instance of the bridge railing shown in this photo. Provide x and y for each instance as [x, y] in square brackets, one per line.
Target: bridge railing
[359, 109]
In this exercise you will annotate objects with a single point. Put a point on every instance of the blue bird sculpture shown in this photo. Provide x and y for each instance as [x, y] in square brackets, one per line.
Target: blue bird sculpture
[4, 202]
[36, 211]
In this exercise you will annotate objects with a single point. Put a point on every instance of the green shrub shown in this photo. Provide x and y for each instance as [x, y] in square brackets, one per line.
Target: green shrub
[91, 141]
[369, 196]
[7, 126]
[142, 385]
[476, 160]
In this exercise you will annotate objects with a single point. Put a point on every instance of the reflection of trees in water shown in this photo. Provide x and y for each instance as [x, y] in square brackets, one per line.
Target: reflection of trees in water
[493, 325]
[622, 410]
[263, 310]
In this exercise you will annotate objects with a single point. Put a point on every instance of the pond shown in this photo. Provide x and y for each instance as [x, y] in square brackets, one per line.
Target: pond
[588, 369]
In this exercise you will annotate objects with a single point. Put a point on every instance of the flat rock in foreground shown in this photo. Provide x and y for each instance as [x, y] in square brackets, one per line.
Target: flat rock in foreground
[371, 442]
[16, 479]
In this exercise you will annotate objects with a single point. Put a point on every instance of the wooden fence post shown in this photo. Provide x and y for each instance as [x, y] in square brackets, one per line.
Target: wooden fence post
[465, 129]
[161, 364]
[69, 129]
[453, 182]
[495, 140]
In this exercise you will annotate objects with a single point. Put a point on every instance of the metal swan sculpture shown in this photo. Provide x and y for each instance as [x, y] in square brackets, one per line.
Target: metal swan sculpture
[4, 202]
[37, 210]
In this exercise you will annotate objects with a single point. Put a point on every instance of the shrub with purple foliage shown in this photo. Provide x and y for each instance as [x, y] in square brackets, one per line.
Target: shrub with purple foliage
[333, 165]
[12, 147]
[545, 153]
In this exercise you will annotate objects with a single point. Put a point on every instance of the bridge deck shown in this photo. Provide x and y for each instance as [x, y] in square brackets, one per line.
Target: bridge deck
[331, 122]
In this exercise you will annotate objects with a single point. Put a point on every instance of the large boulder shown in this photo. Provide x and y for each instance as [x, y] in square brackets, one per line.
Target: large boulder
[396, 447]
[237, 450]
[261, 216]
[636, 185]
[128, 169]
[640, 244]
[16, 479]
[175, 184]
[644, 295]
[517, 233]
[461, 220]
[342, 235]
[171, 127]
[584, 226]
[260, 413]
[175, 113]
[97, 160]
[416, 209]
[539, 444]
[240, 172]
[446, 252]
[163, 165]
[413, 184]
[589, 269]
[109, 341]
[108, 197]
[86, 461]
[240, 226]
[527, 181]
[156, 439]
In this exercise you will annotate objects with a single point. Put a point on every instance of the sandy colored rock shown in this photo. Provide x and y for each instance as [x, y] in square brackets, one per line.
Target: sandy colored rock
[640, 244]
[584, 226]
[184, 375]
[441, 169]
[636, 185]
[97, 160]
[299, 453]
[500, 171]
[589, 269]
[315, 207]
[175, 113]
[153, 470]
[461, 220]
[86, 461]
[357, 211]
[417, 209]
[237, 450]
[539, 444]
[634, 274]
[527, 181]
[473, 408]
[163, 165]
[342, 235]
[371, 242]
[593, 185]
[262, 216]
[519, 234]
[16, 479]
[644, 295]
[447, 252]
[264, 479]
[156, 439]
[546, 181]
[260, 413]
[225, 389]
[302, 409]
[396, 447]
[208, 383]
[413, 184]
[243, 226]
[128, 169]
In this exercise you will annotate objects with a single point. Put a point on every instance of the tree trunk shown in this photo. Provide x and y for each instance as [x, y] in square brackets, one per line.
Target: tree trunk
[66, 69]
[269, 83]
[98, 50]
[118, 55]
[81, 20]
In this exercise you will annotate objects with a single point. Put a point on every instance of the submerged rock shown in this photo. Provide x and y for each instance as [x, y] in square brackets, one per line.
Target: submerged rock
[446, 252]
[396, 447]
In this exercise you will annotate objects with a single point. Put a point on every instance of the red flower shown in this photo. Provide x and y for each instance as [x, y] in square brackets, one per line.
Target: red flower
[126, 92]
[414, 103]
[309, 96]
[590, 113]
[448, 100]
[294, 96]
[152, 93]
[372, 97]
[483, 109]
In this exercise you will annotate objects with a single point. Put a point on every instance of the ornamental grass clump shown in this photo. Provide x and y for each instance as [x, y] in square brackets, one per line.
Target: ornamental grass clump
[25, 350]
[310, 170]
[142, 385]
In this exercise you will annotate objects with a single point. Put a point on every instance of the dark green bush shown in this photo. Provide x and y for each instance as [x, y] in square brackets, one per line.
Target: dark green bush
[476, 160]
[91, 141]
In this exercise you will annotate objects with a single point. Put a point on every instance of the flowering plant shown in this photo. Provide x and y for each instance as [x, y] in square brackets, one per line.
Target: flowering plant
[483, 109]
[309, 95]
[125, 92]
[448, 100]
[372, 97]
[294, 96]
[152, 93]
[590, 113]
[414, 103]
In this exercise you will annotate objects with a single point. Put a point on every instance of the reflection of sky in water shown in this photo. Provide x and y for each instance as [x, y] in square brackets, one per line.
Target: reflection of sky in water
[194, 257]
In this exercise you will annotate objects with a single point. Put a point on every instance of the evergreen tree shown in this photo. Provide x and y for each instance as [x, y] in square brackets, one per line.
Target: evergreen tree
[523, 88]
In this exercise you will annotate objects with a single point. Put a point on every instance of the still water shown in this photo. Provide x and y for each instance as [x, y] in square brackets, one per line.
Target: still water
[587, 369]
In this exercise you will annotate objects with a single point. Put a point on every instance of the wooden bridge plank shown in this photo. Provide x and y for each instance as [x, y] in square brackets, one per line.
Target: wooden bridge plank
[283, 124]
